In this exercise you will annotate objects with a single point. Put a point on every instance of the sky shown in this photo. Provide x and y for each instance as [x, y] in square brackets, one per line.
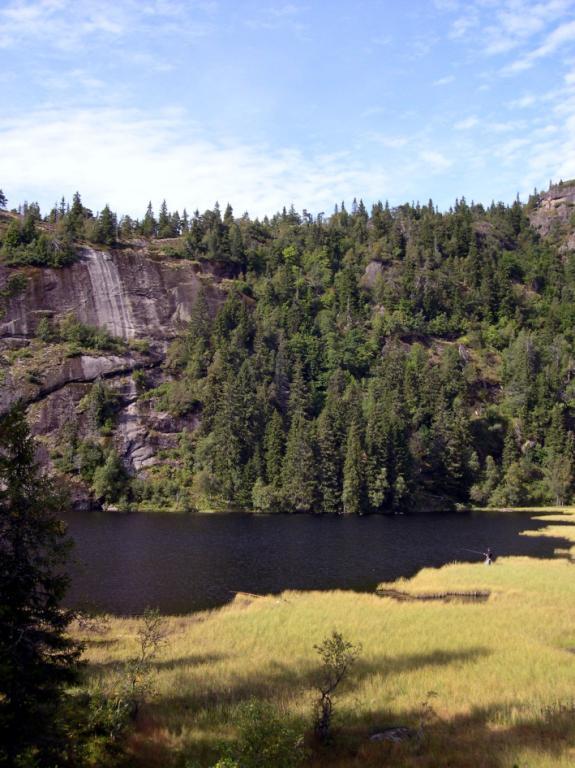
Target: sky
[265, 104]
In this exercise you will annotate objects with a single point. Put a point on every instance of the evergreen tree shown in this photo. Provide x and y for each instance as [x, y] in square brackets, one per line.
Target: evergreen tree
[298, 470]
[274, 443]
[353, 496]
[37, 657]
[106, 224]
[165, 228]
[110, 480]
[558, 462]
[330, 481]
[149, 225]
[3, 200]
[74, 218]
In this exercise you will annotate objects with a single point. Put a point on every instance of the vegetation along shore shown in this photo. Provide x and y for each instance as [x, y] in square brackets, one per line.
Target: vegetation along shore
[484, 684]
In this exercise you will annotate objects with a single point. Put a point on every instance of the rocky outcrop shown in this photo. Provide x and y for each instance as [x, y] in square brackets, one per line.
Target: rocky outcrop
[133, 295]
[126, 291]
[553, 214]
[54, 373]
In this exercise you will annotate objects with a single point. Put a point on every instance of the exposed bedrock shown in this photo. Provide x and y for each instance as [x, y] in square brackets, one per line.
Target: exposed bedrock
[126, 292]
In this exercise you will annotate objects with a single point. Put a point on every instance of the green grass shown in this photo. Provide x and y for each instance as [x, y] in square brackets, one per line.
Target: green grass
[502, 672]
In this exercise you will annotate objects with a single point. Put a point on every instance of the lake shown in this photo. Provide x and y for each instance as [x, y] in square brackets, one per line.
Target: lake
[123, 563]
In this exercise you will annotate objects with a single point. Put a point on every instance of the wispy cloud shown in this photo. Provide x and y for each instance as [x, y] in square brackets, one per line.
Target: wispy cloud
[444, 81]
[502, 26]
[435, 161]
[523, 102]
[560, 36]
[68, 25]
[286, 15]
[128, 158]
[467, 124]
[391, 142]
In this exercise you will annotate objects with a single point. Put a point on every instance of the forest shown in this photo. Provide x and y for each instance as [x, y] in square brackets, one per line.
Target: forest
[367, 361]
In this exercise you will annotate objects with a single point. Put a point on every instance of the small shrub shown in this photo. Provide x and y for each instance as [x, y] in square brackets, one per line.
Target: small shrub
[337, 658]
[138, 670]
[265, 740]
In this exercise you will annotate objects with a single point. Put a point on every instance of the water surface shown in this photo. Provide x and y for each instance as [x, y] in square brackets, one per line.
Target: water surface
[178, 563]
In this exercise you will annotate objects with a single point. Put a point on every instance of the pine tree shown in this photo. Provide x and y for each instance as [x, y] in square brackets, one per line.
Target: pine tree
[106, 227]
[149, 225]
[298, 470]
[558, 461]
[274, 443]
[37, 657]
[3, 200]
[353, 474]
[330, 463]
[74, 218]
[165, 228]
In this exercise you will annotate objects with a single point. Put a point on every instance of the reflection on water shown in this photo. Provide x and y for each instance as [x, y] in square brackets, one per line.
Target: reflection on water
[178, 564]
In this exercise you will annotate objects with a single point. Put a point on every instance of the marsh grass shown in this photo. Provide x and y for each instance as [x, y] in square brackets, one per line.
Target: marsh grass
[487, 685]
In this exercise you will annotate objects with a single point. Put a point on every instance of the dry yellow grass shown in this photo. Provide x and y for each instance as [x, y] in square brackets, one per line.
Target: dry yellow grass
[502, 671]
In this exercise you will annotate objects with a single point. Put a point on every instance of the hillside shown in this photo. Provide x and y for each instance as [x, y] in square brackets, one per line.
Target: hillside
[399, 359]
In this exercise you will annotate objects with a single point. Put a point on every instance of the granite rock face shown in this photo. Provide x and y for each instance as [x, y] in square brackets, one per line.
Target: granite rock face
[132, 295]
[554, 212]
[126, 292]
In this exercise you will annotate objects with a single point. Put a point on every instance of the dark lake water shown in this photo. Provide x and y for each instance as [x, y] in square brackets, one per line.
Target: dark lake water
[123, 563]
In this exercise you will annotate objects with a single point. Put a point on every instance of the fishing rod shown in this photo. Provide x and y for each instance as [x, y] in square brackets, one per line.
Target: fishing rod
[475, 551]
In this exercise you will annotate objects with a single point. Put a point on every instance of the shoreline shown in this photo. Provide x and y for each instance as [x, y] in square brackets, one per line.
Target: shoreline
[500, 668]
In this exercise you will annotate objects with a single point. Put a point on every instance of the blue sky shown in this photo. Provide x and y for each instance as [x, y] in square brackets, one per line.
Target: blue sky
[270, 103]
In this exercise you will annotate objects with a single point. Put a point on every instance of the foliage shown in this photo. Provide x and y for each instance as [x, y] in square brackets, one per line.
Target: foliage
[83, 336]
[138, 684]
[110, 480]
[337, 657]
[364, 362]
[37, 656]
[265, 740]
[15, 285]
[23, 243]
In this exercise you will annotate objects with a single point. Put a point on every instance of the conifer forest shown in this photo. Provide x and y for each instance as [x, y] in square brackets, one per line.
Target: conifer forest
[361, 361]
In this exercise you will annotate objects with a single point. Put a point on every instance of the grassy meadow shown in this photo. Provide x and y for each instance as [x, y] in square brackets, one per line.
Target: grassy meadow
[487, 684]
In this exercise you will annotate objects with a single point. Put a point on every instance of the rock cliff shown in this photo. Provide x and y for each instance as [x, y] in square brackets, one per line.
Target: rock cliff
[140, 300]
[126, 292]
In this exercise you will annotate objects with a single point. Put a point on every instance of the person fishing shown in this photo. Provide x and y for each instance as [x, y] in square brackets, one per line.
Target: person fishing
[488, 555]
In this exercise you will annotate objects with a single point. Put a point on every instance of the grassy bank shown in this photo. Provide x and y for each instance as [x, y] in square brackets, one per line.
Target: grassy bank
[494, 682]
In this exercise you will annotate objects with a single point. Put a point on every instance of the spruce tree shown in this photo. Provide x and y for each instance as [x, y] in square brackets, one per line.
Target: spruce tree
[165, 228]
[106, 227]
[353, 474]
[330, 481]
[149, 225]
[37, 658]
[298, 470]
[274, 442]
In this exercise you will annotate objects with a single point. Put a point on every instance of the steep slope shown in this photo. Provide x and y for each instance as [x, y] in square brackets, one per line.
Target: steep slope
[125, 291]
[128, 305]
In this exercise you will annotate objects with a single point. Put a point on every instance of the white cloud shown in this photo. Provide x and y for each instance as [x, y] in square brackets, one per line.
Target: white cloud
[523, 102]
[391, 142]
[443, 81]
[125, 158]
[563, 34]
[69, 25]
[461, 26]
[465, 125]
[280, 16]
[435, 160]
